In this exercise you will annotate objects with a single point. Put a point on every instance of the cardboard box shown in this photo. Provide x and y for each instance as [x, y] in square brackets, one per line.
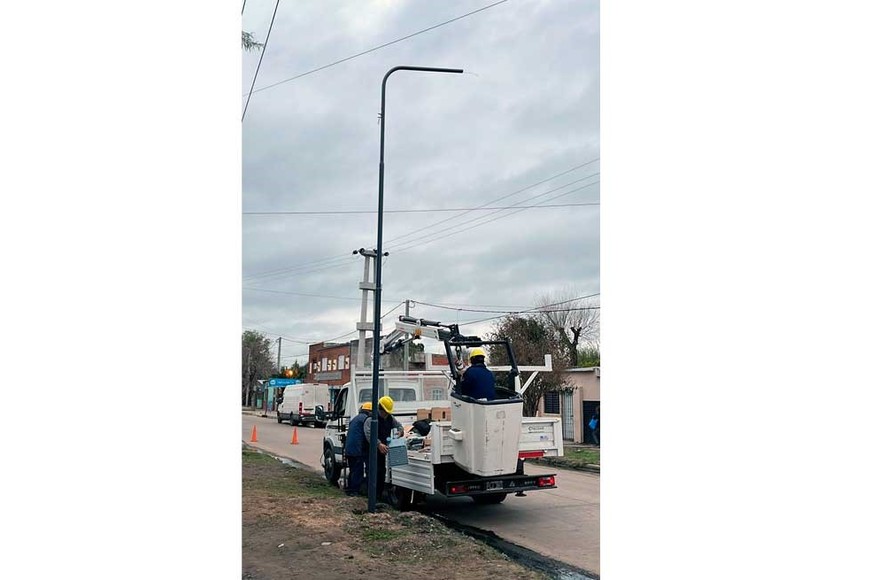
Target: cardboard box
[440, 413]
[434, 414]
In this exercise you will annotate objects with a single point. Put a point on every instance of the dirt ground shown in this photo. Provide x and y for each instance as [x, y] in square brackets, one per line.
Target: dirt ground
[294, 524]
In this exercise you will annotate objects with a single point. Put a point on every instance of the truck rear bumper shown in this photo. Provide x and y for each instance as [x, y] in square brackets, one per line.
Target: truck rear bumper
[499, 484]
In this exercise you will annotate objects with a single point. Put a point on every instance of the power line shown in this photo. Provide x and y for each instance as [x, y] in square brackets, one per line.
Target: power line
[505, 311]
[259, 62]
[344, 259]
[446, 232]
[373, 49]
[300, 294]
[337, 260]
[533, 309]
[288, 338]
[496, 200]
[430, 210]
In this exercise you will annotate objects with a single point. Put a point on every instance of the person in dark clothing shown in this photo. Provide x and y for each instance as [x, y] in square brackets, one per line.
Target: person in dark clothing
[595, 426]
[478, 381]
[356, 449]
[387, 424]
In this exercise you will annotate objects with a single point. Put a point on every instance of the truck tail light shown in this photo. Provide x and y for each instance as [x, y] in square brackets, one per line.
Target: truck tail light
[547, 481]
[300, 407]
[528, 454]
[458, 489]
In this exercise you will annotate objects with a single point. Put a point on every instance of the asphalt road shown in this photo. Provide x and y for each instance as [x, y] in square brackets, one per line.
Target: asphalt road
[561, 523]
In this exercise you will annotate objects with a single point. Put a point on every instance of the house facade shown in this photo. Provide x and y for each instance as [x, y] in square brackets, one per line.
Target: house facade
[576, 406]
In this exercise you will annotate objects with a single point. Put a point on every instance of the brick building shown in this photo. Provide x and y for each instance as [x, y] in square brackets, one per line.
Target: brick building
[329, 363]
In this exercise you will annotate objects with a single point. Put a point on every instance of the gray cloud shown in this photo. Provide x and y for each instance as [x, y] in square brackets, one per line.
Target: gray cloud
[527, 110]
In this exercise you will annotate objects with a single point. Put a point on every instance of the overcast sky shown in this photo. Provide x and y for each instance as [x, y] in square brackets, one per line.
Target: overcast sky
[527, 110]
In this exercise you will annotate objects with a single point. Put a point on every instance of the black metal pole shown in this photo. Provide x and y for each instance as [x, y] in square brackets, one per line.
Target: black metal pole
[376, 338]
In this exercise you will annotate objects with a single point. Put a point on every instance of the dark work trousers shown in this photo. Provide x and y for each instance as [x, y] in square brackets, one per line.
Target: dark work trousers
[356, 465]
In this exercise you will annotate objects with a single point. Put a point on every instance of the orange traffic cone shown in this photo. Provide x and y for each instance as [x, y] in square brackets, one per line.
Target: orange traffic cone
[295, 440]
[254, 434]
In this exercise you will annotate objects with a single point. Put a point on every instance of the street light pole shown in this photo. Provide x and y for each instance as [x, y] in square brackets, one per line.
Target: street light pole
[376, 339]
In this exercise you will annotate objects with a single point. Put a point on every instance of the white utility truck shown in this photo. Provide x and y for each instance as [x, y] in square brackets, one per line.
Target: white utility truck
[301, 401]
[470, 447]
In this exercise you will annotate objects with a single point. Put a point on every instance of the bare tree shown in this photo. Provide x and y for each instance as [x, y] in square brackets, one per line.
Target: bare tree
[576, 322]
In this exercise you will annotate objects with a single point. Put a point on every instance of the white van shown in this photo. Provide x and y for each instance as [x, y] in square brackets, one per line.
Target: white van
[300, 401]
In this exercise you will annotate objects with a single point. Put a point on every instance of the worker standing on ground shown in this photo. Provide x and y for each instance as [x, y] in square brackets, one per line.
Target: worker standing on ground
[478, 382]
[386, 424]
[356, 448]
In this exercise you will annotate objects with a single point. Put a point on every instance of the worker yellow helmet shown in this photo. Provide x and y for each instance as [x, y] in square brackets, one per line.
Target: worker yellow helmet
[386, 403]
[476, 352]
[367, 406]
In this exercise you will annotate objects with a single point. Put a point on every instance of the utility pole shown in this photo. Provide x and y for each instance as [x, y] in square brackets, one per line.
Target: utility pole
[407, 313]
[362, 326]
[279, 354]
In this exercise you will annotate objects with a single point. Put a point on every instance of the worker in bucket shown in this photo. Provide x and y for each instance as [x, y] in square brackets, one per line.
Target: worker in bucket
[387, 424]
[477, 382]
[356, 449]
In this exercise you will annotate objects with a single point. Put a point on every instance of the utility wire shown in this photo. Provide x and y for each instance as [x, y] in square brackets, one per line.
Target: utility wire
[446, 232]
[259, 62]
[430, 210]
[533, 309]
[506, 311]
[342, 259]
[287, 338]
[373, 49]
[313, 295]
[243, 5]
[300, 294]
[498, 199]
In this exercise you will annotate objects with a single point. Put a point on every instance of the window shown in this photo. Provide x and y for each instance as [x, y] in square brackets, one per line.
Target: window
[397, 394]
[551, 402]
[340, 403]
[437, 394]
[341, 362]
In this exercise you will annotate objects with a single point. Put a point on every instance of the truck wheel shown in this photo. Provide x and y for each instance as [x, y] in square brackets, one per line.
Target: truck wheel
[401, 497]
[489, 499]
[331, 469]
[280, 420]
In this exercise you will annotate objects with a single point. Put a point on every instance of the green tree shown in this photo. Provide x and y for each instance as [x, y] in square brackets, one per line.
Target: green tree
[531, 338]
[299, 372]
[257, 363]
[396, 359]
[589, 357]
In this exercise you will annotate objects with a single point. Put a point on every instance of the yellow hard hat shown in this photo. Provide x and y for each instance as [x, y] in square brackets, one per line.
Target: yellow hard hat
[367, 406]
[476, 352]
[386, 404]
